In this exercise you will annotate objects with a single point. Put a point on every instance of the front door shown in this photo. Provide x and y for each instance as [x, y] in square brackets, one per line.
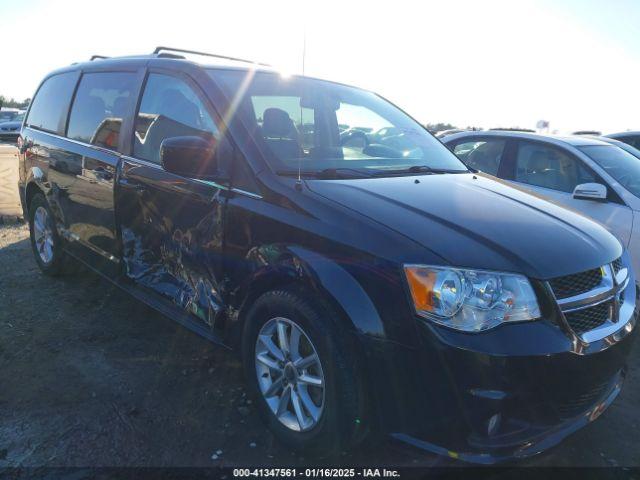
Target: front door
[551, 172]
[172, 226]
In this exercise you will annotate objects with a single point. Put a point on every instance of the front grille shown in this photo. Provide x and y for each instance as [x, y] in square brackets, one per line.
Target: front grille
[579, 404]
[571, 285]
[588, 318]
[617, 265]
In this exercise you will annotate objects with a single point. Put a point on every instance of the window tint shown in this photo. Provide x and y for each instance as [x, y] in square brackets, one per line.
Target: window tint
[49, 108]
[169, 108]
[544, 166]
[101, 102]
[483, 155]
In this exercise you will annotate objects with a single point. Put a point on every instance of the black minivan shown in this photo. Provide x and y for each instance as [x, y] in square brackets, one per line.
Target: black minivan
[369, 279]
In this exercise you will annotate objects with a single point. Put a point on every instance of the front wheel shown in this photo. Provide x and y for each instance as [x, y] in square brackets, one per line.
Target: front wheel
[302, 373]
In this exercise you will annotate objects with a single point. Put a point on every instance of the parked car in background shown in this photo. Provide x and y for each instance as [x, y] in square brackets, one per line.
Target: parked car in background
[591, 176]
[8, 114]
[624, 146]
[587, 132]
[10, 131]
[632, 138]
[369, 282]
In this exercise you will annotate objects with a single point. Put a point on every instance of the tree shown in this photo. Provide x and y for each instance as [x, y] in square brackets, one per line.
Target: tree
[13, 103]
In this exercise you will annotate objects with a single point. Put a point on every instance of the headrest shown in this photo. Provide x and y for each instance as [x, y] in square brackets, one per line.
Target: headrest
[277, 123]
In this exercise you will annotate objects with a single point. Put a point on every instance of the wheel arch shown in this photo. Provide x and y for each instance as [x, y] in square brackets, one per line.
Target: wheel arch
[318, 275]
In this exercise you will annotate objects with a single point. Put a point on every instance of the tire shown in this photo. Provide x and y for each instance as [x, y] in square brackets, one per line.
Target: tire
[339, 422]
[49, 254]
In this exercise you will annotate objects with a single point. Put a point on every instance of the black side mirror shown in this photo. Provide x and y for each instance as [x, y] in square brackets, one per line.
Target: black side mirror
[190, 156]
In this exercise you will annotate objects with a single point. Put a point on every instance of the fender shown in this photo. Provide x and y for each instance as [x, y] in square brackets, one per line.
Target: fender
[284, 264]
[34, 179]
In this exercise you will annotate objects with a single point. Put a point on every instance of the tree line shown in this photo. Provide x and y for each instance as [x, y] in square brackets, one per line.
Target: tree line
[13, 103]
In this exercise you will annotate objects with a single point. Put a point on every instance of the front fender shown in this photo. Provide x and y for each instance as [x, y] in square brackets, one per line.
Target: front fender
[279, 265]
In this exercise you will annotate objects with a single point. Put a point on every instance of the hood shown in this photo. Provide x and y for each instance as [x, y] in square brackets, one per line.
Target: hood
[12, 126]
[478, 222]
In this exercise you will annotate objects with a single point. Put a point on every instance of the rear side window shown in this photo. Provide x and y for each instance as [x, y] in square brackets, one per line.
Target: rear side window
[483, 155]
[169, 108]
[100, 105]
[49, 109]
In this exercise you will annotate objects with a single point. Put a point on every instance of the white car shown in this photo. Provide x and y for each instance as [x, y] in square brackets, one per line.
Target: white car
[593, 177]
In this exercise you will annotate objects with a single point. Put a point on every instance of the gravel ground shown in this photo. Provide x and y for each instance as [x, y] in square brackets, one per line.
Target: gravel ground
[89, 377]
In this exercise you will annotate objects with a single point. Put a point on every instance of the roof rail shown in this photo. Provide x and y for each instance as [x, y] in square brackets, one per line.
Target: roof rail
[158, 51]
[97, 57]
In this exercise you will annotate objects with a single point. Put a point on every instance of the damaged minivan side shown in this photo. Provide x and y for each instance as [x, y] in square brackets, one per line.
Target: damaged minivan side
[370, 281]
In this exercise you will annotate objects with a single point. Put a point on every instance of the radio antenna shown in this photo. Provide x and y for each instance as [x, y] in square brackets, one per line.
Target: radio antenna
[304, 54]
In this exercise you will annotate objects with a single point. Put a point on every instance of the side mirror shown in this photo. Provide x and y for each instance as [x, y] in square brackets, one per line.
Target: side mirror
[590, 191]
[189, 156]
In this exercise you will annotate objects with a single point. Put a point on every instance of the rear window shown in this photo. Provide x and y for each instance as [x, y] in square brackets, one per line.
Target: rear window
[100, 105]
[49, 108]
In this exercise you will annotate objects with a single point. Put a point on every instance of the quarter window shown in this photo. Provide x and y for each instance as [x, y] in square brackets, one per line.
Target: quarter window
[49, 109]
[169, 108]
[101, 103]
[549, 167]
[483, 155]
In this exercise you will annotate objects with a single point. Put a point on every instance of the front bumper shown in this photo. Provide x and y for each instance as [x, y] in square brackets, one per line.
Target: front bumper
[504, 394]
[9, 136]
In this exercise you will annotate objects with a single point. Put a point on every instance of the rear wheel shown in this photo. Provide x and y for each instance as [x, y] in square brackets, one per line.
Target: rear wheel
[302, 373]
[45, 241]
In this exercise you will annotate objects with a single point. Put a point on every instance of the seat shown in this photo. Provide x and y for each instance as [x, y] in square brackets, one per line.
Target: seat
[280, 133]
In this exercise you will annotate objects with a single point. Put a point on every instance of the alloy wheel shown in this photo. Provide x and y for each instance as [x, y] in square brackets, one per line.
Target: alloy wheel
[290, 374]
[43, 235]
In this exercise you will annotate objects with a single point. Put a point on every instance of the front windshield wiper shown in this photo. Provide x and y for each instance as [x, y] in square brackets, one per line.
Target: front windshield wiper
[418, 169]
[327, 173]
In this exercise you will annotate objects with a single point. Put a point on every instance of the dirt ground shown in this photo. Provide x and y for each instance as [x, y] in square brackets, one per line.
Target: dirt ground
[89, 377]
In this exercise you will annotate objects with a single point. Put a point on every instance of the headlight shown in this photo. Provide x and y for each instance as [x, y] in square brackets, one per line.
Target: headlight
[470, 300]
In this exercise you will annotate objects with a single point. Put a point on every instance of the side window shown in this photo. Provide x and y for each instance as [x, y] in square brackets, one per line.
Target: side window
[49, 109]
[101, 102]
[549, 167]
[169, 108]
[634, 141]
[483, 155]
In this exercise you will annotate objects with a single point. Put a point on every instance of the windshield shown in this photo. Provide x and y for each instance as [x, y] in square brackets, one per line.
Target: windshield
[7, 116]
[317, 126]
[621, 165]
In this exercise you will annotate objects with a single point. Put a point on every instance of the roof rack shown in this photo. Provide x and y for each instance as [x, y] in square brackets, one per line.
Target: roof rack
[158, 51]
[97, 57]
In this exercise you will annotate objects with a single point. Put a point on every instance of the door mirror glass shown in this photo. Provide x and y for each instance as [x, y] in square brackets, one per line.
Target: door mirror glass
[590, 191]
[189, 156]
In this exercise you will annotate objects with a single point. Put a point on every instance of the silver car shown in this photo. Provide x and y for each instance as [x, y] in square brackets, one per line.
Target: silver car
[593, 177]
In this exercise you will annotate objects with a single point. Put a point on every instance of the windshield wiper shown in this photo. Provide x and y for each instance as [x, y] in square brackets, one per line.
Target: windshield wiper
[327, 173]
[418, 169]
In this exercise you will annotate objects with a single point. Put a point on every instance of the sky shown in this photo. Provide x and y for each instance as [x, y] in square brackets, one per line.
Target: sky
[490, 63]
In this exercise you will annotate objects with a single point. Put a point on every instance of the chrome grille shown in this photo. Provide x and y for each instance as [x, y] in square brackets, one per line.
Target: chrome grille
[572, 285]
[617, 265]
[589, 318]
